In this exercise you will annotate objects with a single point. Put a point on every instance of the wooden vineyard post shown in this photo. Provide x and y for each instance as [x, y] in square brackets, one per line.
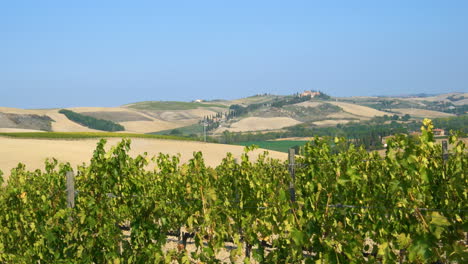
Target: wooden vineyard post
[248, 250]
[70, 189]
[292, 190]
[445, 150]
[237, 203]
[236, 185]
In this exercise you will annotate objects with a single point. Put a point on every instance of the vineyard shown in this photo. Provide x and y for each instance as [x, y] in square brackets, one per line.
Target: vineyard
[334, 203]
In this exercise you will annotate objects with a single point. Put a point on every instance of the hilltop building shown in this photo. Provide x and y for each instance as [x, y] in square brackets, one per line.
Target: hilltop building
[310, 94]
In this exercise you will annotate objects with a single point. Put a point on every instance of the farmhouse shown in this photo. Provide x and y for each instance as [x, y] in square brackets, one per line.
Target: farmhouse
[438, 132]
[311, 94]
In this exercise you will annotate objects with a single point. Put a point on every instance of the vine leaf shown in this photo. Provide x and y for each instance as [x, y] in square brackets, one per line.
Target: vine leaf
[297, 236]
[438, 224]
[439, 220]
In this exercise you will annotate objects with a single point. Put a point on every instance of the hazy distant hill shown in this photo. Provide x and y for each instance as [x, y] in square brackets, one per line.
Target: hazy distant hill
[255, 113]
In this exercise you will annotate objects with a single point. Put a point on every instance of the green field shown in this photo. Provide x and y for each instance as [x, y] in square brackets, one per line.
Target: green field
[196, 129]
[171, 105]
[84, 135]
[282, 146]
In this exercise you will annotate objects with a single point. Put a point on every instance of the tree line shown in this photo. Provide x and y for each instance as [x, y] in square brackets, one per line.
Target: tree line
[368, 134]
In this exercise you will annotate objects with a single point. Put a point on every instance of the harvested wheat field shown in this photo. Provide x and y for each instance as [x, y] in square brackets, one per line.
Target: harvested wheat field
[259, 123]
[23, 111]
[422, 113]
[15, 130]
[33, 152]
[134, 121]
[60, 124]
[346, 115]
[100, 109]
[190, 115]
[359, 110]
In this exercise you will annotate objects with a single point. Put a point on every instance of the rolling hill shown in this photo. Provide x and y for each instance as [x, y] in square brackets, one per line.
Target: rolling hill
[259, 113]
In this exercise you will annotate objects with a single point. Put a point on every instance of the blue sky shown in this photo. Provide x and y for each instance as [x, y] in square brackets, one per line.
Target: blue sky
[109, 53]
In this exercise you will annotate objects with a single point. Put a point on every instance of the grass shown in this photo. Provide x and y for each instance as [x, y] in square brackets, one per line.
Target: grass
[196, 129]
[171, 105]
[282, 146]
[85, 135]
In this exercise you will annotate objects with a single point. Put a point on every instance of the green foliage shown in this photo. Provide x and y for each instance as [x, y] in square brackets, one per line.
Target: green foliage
[368, 134]
[175, 132]
[290, 100]
[282, 145]
[239, 110]
[91, 122]
[408, 207]
[186, 130]
[323, 96]
[458, 109]
[406, 117]
[458, 123]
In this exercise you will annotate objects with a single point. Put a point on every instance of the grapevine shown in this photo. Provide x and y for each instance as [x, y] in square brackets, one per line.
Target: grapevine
[350, 206]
